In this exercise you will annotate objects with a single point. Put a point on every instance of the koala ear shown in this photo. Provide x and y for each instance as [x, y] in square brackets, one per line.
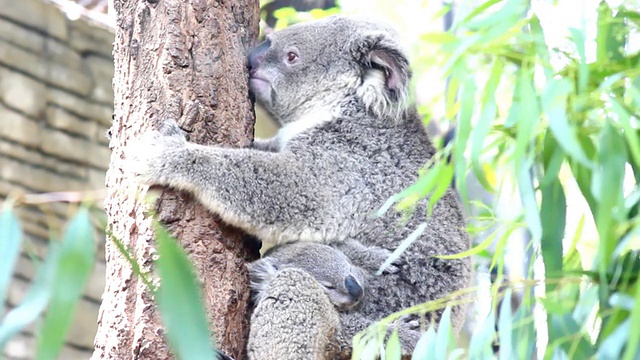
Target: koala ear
[386, 75]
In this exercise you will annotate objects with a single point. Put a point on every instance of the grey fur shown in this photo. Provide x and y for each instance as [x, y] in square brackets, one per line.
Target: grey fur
[349, 142]
[294, 321]
[343, 282]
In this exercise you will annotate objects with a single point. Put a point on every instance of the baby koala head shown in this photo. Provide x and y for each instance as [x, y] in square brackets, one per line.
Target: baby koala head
[342, 281]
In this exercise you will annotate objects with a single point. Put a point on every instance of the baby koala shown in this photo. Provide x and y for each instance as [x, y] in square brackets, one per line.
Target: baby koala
[342, 281]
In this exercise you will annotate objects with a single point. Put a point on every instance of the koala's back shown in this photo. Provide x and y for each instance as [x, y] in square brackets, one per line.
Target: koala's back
[370, 161]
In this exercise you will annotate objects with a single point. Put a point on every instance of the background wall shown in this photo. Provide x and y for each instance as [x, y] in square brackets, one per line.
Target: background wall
[56, 102]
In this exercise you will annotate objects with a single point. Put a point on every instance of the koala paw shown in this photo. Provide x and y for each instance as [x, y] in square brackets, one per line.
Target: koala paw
[411, 322]
[149, 157]
[392, 268]
[171, 128]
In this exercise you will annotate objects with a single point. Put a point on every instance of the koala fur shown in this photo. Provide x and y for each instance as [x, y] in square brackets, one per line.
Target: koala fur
[343, 282]
[294, 320]
[349, 141]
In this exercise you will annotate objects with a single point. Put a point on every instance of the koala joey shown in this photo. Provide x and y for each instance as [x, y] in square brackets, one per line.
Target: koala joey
[349, 141]
[294, 320]
[343, 282]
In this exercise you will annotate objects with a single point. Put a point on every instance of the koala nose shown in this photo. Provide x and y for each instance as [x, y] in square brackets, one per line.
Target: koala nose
[257, 55]
[353, 287]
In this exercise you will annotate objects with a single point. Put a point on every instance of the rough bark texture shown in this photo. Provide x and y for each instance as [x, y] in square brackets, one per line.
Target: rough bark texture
[183, 60]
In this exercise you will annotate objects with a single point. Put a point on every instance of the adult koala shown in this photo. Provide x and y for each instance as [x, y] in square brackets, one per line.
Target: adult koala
[349, 141]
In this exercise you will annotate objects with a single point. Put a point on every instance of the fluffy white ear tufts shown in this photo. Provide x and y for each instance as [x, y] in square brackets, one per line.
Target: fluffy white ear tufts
[385, 81]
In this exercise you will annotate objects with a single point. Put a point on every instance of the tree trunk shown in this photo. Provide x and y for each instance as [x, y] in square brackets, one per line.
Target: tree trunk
[183, 60]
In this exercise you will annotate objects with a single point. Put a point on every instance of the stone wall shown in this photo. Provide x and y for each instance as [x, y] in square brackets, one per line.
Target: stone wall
[56, 103]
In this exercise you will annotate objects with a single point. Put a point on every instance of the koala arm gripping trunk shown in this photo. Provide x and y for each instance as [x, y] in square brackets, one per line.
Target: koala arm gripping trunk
[270, 195]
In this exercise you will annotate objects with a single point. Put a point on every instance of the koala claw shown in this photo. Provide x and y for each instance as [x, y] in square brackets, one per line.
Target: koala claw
[395, 266]
[410, 322]
[391, 269]
[169, 127]
[146, 157]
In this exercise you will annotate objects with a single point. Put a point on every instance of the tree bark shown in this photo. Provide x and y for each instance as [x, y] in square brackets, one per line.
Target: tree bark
[183, 60]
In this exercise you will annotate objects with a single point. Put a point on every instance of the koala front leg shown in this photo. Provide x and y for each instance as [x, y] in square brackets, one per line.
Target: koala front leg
[370, 258]
[266, 194]
[270, 145]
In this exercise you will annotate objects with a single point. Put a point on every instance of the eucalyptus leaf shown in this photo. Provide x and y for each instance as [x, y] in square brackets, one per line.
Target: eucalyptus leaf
[554, 104]
[553, 216]
[566, 333]
[505, 324]
[632, 352]
[10, 242]
[35, 301]
[73, 269]
[187, 329]
[481, 342]
[393, 350]
[426, 347]
[443, 337]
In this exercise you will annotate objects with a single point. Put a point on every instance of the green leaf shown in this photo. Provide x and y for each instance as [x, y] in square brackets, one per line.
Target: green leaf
[499, 21]
[443, 336]
[572, 259]
[564, 331]
[461, 48]
[622, 301]
[553, 158]
[607, 189]
[584, 175]
[554, 103]
[524, 333]
[481, 343]
[505, 323]
[583, 69]
[528, 198]
[630, 134]
[611, 347]
[587, 301]
[77, 256]
[480, 10]
[442, 185]
[540, 45]
[633, 341]
[612, 35]
[35, 301]
[10, 242]
[370, 351]
[463, 131]
[553, 215]
[529, 116]
[180, 302]
[487, 116]
[393, 350]
[475, 250]
[426, 347]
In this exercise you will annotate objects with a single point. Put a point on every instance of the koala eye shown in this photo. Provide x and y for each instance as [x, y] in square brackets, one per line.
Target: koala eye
[292, 57]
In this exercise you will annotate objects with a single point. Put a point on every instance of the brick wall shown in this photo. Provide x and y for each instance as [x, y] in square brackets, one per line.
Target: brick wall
[56, 102]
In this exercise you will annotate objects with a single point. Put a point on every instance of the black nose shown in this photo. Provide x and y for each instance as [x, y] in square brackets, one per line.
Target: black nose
[353, 287]
[257, 55]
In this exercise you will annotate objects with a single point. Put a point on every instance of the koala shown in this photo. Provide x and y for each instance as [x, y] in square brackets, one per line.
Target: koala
[295, 320]
[342, 282]
[349, 141]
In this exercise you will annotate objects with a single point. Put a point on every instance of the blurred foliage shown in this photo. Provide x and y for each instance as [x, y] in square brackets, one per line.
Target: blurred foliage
[61, 278]
[571, 121]
[57, 286]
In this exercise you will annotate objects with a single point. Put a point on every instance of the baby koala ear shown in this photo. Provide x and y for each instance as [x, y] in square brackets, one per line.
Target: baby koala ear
[385, 81]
